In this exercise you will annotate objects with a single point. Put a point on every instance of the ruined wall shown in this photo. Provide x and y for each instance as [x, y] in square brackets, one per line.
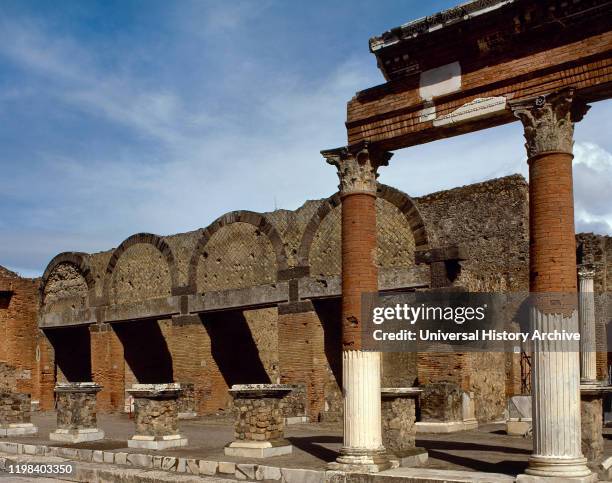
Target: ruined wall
[19, 300]
[490, 220]
[242, 249]
[141, 273]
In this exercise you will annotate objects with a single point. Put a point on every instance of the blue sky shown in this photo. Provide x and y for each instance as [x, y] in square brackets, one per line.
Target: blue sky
[118, 117]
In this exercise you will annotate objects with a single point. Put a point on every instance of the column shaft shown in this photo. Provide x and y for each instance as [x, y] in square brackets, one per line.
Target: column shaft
[549, 127]
[362, 449]
[588, 355]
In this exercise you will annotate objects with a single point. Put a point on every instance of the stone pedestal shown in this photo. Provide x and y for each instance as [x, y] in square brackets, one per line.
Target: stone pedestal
[259, 421]
[76, 412]
[398, 417]
[156, 416]
[187, 407]
[15, 414]
[519, 416]
[591, 410]
[446, 408]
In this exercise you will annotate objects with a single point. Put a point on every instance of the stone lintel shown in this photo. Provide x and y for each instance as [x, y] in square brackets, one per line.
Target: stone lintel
[72, 387]
[400, 392]
[154, 391]
[260, 390]
[295, 307]
[442, 254]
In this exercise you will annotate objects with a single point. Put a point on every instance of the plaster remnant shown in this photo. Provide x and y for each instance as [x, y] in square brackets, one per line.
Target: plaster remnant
[440, 80]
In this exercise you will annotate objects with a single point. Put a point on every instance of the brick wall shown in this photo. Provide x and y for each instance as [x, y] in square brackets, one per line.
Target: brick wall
[18, 328]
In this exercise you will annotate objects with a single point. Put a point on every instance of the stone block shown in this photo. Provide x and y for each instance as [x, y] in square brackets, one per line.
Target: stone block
[248, 470]
[168, 463]
[192, 466]
[258, 449]
[140, 460]
[268, 473]
[121, 458]
[227, 468]
[76, 435]
[298, 475]
[208, 468]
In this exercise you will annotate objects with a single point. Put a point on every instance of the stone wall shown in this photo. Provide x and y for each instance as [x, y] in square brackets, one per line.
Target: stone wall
[244, 249]
[14, 407]
[19, 301]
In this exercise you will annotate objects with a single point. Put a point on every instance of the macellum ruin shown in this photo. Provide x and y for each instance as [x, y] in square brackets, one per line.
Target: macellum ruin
[271, 302]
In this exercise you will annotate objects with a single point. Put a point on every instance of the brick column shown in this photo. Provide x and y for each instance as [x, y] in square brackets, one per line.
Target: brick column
[100, 364]
[549, 126]
[363, 449]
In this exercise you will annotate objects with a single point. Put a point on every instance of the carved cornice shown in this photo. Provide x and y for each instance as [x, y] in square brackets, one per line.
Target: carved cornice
[549, 121]
[357, 167]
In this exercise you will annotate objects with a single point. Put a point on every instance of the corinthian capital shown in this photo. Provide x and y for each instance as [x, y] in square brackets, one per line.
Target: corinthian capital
[549, 121]
[357, 167]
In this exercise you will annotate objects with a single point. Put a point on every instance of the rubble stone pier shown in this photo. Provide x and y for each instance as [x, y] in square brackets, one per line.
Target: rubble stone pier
[260, 422]
[156, 416]
[398, 425]
[76, 412]
[15, 414]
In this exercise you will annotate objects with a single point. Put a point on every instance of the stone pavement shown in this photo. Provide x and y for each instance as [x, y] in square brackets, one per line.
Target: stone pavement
[487, 449]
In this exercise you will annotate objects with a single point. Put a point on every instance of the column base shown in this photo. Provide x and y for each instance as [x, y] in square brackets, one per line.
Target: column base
[426, 427]
[157, 442]
[258, 449]
[556, 479]
[362, 461]
[76, 435]
[409, 458]
[17, 429]
[551, 467]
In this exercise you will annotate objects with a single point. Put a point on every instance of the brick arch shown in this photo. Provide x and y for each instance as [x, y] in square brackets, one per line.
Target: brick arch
[79, 260]
[145, 238]
[394, 196]
[257, 220]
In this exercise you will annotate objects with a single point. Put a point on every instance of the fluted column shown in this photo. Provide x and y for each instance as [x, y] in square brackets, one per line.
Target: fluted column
[363, 449]
[588, 356]
[549, 126]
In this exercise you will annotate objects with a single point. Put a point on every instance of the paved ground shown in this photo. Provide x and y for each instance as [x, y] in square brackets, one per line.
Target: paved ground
[486, 449]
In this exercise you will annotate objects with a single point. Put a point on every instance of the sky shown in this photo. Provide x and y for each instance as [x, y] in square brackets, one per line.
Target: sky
[119, 117]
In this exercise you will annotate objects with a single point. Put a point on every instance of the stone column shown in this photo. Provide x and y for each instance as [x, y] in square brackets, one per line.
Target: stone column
[76, 412]
[362, 448]
[156, 416]
[549, 126]
[588, 355]
[259, 428]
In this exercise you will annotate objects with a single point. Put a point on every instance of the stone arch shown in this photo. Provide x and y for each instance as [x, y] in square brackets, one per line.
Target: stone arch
[74, 282]
[147, 239]
[404, 203]
[258, 221]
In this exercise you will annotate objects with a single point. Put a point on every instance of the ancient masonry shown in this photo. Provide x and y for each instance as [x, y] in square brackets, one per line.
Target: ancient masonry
[269, 282]
[159, 314]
